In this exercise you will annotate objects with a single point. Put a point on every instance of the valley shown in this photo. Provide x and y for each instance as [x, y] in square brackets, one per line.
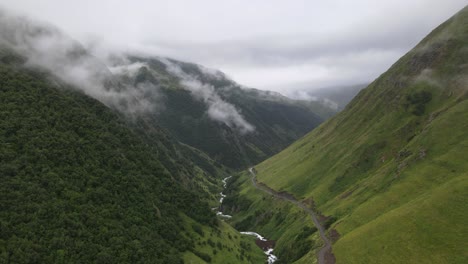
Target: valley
[326, 250]
[378, 166]
[127, 156]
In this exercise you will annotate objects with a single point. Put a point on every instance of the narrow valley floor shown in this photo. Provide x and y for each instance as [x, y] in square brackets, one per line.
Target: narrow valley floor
[325, 255]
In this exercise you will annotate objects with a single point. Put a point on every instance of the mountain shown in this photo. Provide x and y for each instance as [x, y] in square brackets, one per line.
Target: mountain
[77, 185]
[82, 183]
[121, 159]
[65, 62]
[201, 107]
[86, 180]
[388, 174]
[234, 125]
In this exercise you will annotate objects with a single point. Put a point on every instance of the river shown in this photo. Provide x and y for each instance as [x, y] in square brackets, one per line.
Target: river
[271, 258]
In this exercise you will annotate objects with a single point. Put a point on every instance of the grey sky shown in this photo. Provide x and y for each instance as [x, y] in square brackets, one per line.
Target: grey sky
[267, 44]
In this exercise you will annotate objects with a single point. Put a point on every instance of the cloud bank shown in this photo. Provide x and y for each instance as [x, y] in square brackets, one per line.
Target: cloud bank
[47, 48]
[266, 44]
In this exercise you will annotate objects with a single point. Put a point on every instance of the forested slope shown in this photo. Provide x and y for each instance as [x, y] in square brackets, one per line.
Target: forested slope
[77, 184]
[236, 126]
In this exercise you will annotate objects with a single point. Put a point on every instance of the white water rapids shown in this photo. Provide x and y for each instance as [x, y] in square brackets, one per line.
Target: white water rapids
[222, 198]
[269, 252]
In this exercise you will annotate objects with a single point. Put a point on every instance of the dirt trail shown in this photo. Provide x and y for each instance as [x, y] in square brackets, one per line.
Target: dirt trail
[325, 255]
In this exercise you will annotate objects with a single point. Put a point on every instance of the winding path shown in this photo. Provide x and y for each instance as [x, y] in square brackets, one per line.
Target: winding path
[326, 242]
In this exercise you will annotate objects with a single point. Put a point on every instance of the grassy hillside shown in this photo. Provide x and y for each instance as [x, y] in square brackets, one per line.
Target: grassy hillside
[296, 237]
[392, 166]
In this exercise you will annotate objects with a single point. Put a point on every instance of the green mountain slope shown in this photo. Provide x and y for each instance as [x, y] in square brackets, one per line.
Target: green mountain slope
[251, 125]
[77, 185]
[81, 183]
[84, 180]
[391, 168]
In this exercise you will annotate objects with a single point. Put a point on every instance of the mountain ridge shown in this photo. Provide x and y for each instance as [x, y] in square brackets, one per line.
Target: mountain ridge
[112, 183]
[233, 124]
[389, 167]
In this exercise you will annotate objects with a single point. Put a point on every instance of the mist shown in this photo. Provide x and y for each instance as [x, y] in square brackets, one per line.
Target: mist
[45, 47]
[218, 109]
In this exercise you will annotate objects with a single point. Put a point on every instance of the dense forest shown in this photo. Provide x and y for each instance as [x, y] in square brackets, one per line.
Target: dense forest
[77, 184]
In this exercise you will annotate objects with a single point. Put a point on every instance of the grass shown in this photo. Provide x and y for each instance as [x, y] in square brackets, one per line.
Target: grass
[424, 230]
[392, 166]
[222, 245]
[273, 218]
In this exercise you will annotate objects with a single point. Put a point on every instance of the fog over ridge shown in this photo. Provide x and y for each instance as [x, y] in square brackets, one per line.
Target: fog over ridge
[218, 109]
[267, 44]
[46, 47]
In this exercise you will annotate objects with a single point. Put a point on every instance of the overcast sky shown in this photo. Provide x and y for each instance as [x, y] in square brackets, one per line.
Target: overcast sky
[268, 44]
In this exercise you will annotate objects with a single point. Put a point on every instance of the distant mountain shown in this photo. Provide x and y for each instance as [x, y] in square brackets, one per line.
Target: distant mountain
[336, 97]
[202, 108]
[389, 173]
[234, 125]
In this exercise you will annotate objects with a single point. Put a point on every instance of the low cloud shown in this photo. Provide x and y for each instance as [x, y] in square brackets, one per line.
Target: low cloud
[45, 47]
[426, 76]
[218, 109]
[126, 68]
[305, 95]
[274, 45]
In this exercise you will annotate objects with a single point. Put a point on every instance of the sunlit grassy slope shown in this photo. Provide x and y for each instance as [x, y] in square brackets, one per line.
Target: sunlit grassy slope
[393, 165]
